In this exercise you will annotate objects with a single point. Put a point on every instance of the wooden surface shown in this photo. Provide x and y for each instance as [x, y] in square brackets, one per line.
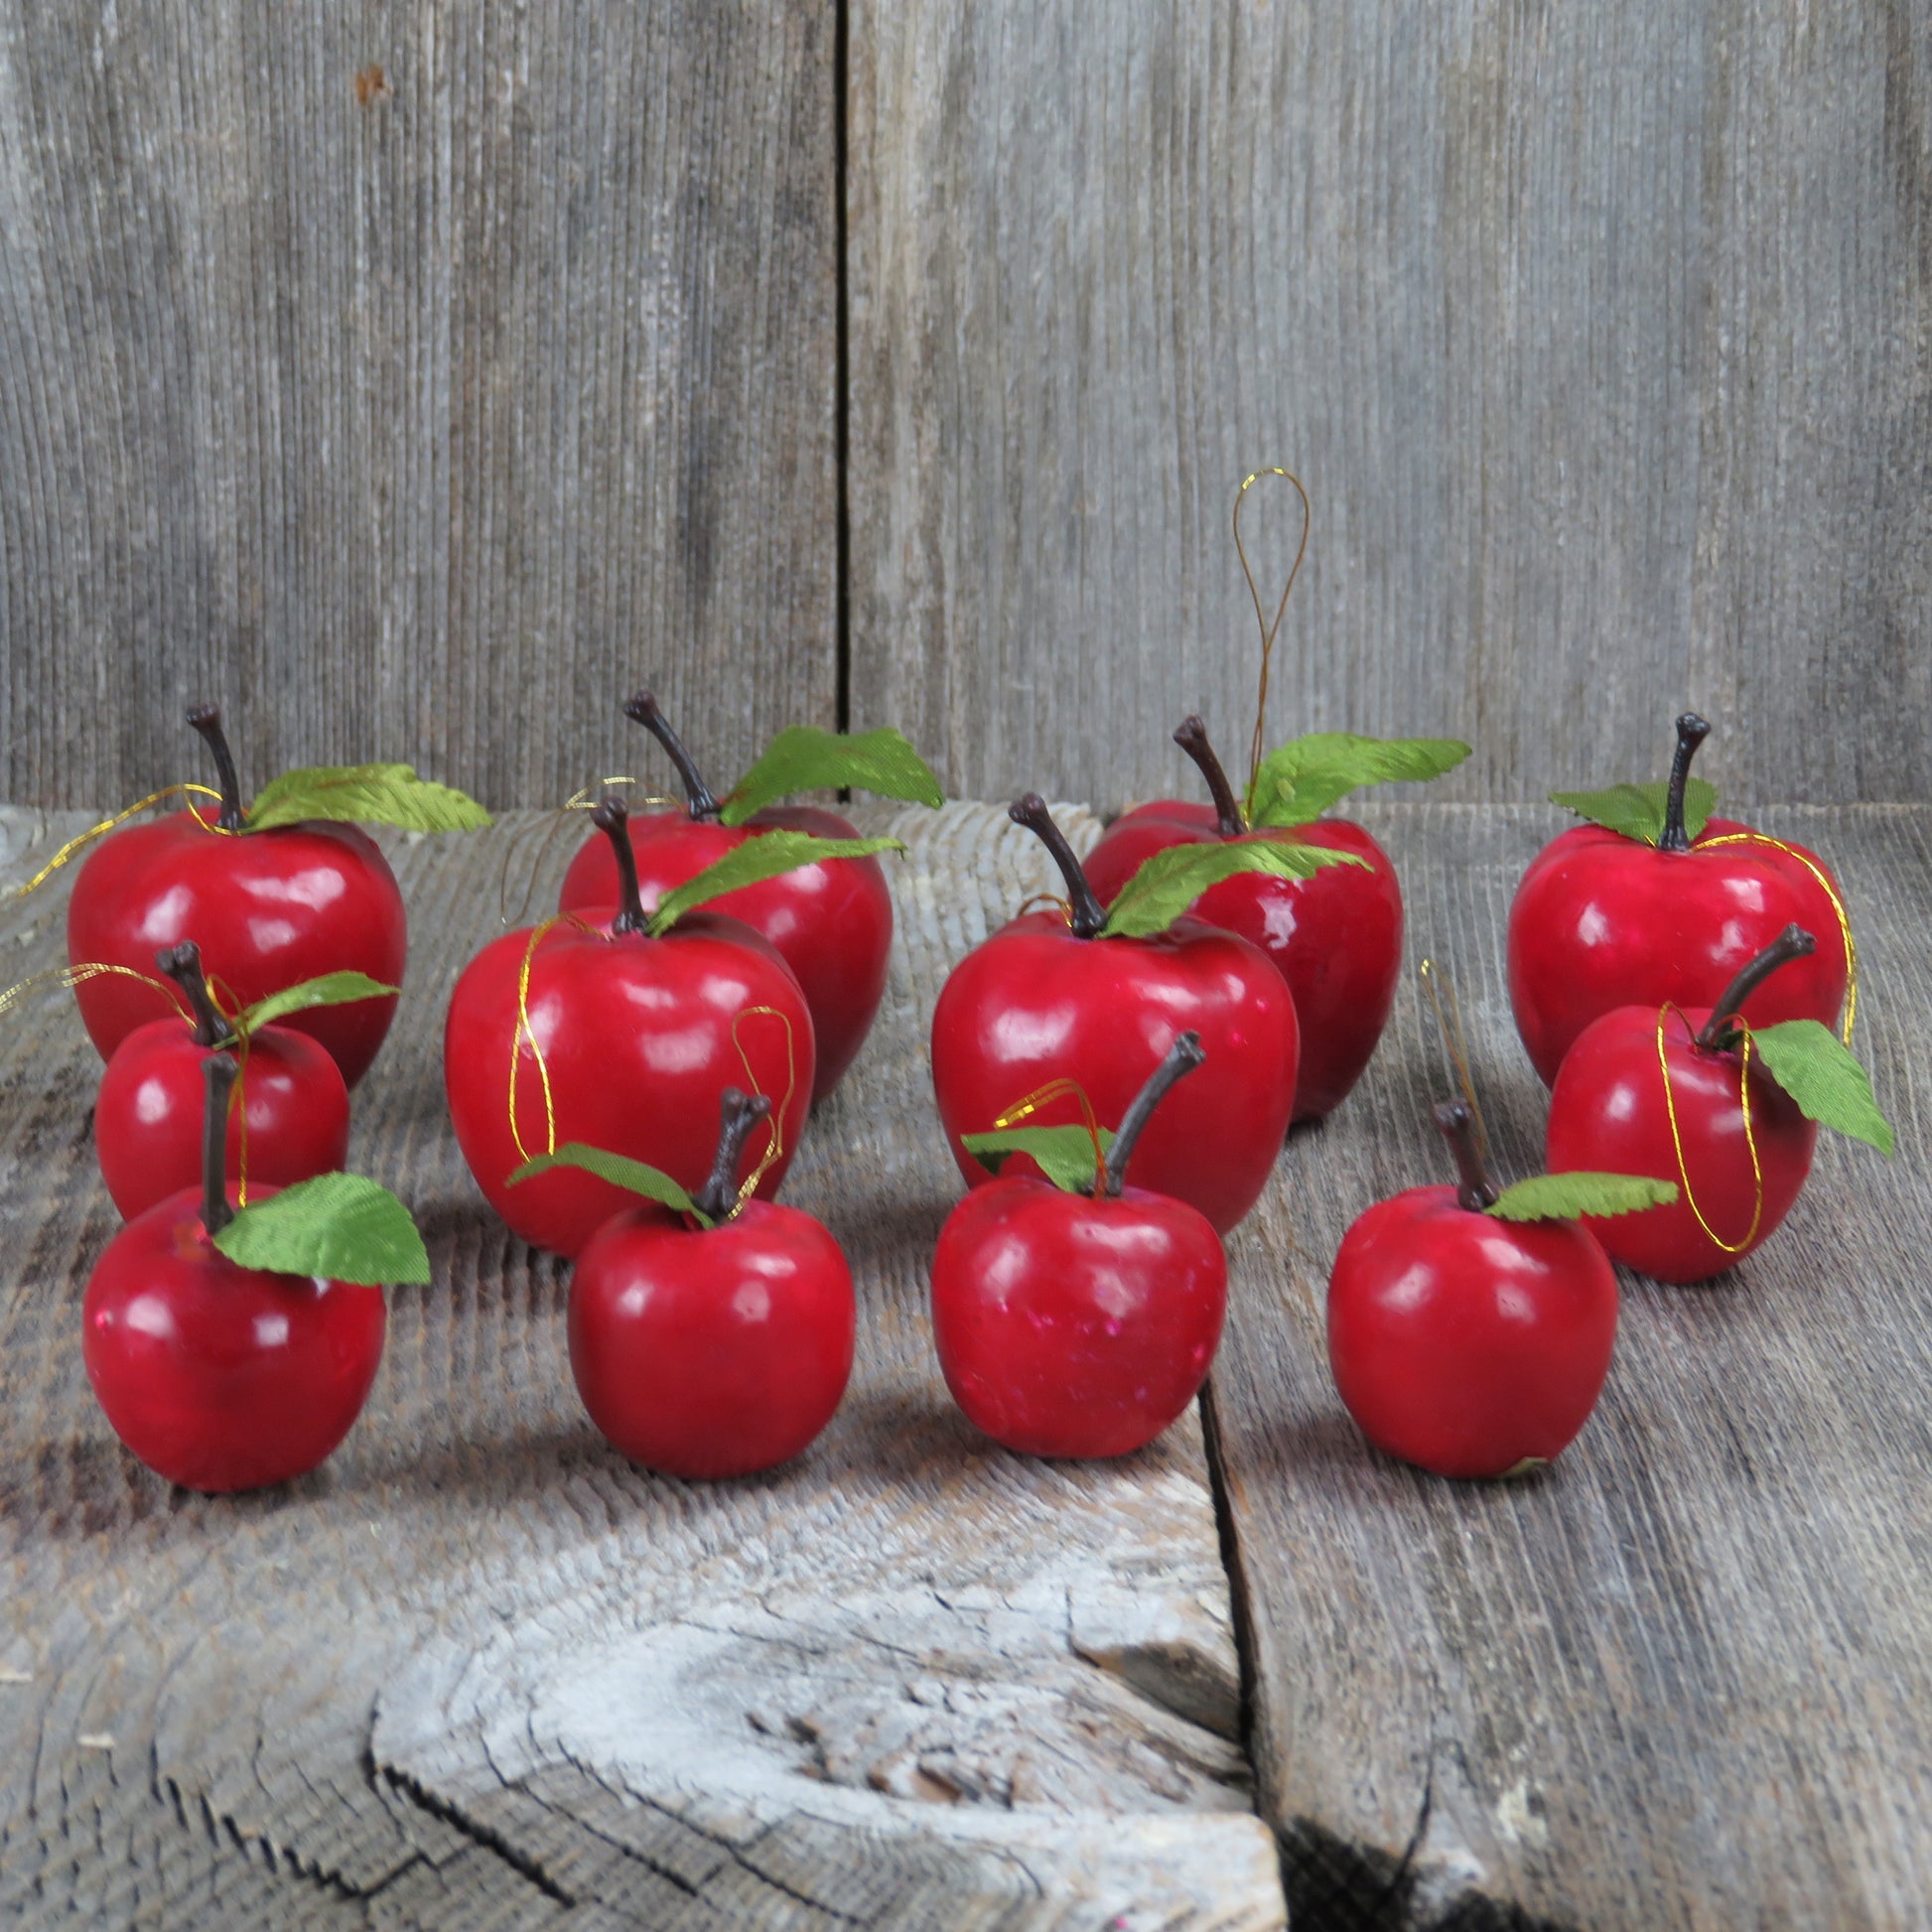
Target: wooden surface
[416, 378]
[478, 1671]
[1683, 1679]
[1598, 335]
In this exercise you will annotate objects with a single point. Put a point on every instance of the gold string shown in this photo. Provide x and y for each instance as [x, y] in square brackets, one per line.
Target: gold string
[1043, 900]
[84, 839]
[1063, 1088]
[1268, 630]
[1750, 1136]
[1456, 1044]
[1831, 893]
[78, 974]
[525, 1030]
[586, 798]
[774, 1146]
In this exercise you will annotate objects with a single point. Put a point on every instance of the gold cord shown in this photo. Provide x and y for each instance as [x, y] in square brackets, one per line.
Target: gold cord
[1831, 893]
[1065, 1088]
[1750, 1136]
[774, 1146]
[80, 841]
[1268, 630]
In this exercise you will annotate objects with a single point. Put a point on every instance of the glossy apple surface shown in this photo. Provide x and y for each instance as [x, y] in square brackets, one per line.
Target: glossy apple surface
[268, 909]
[220, 1377]
[1465, 1344]
[1074, 1327]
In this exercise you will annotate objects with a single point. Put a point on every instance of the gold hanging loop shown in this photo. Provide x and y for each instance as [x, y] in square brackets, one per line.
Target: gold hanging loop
[1268, 631]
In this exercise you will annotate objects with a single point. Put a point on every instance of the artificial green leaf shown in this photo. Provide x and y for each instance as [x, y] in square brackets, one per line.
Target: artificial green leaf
[1064, 1153]
[1637, 811]
[1566, 1196]
[1300, 779]
[762, 857]
[638, 1176]
[1813, 1066]
[380, 795]
[329, 990]
[1173, 878]
[803, 758]
[339, 1225]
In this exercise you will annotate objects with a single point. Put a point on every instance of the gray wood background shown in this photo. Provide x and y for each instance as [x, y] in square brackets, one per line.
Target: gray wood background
[421, 417]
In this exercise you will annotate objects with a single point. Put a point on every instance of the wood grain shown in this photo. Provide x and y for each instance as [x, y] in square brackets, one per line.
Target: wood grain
[1683, 1679]
[1601, 337]
[416, 378]
[479, 1671]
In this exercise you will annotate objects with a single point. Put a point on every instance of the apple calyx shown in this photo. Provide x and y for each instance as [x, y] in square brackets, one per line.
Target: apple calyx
[612, 817]
[1692, 730]
[220, 1070]
[183, 965]
[642, 709]
[207, 719]
[1181, 1058]
[1458, 1124]
[1087, 915]
[740, 1113]
[1723, 1029]
[1191, 737]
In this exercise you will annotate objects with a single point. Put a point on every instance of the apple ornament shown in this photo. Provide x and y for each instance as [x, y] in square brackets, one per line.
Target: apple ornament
[1335, 935]
[1655, 901]
[1731, 1109]
[710, 1333]
[831, 922]
[1074, 1315]
[1095, 996]
[233, 1349]
[290, 1114]
[620, 1029]
[1470, 1332]
[275, 892]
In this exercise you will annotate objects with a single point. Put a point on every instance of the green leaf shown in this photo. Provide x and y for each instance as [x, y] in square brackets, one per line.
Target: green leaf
[341, 1225]
[1809, 1062]
[1637, 811]
[1300, 779]
[803, 758]
[380, 795]
[329, 990]
[1566, 1196]
[1064, 1153]
[1172, 880]
[762, 856]
[638, 1176]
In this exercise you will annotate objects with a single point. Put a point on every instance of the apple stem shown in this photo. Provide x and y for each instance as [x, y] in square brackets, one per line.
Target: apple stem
[611, 818]
[642, 709]
[1459, 1127]
[1692, 730]
[207, 719]
[1719, 1033]
[220, 1070]
[183, 965]
[1192, 738]
[1183, 1057]
[740, 1113]
[1089, 916]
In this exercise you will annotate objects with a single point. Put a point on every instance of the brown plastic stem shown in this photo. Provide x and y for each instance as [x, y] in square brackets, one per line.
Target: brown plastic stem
[1692, 730]
[220, 1070]
[740, 1113]
[183, 965]
[1183, 1057]
[612, 818]
[642, 709]
[1192, 738]
[1719, 1032]
[1458, 1128]
[1089, 916]
[207, 719]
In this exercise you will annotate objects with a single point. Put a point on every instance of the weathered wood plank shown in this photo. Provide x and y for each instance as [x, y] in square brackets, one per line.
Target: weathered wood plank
[481, 1671]
[1682, 1680]
[1599, 334]
[416, 378]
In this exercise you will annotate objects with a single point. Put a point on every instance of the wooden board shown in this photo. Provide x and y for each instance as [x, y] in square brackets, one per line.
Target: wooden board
[1684, 1678]
[479, 1671]
[416, 378]
[1598, 335]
